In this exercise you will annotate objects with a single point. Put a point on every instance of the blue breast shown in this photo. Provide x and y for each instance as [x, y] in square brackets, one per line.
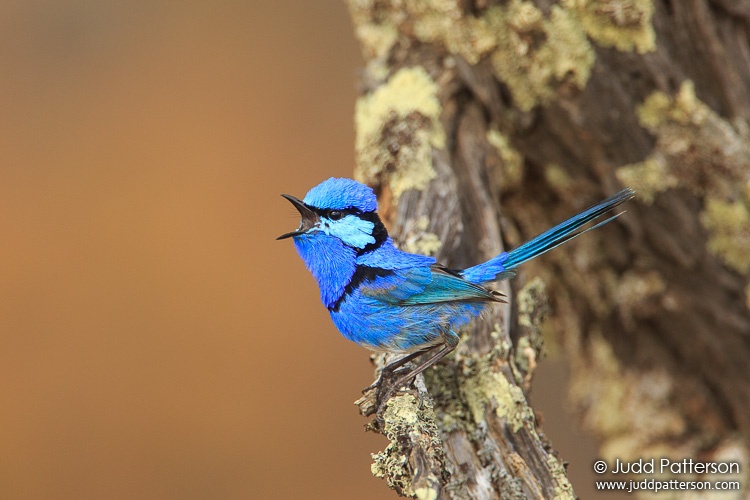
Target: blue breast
[330, 261]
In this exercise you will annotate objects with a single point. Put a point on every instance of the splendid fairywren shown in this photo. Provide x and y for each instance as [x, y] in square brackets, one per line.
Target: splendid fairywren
[389, 300]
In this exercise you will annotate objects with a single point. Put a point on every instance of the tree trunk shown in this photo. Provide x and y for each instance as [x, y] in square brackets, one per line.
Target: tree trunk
[483, 123]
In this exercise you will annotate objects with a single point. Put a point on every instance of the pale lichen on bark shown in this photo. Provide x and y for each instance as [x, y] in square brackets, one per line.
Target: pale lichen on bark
[623, 24]
[633, 428]
[563, 488]
[557, 177]
[694, 144]
[532, 53]
[398, 125]
[728, 223]
[416, 239]
[484, 385]
[413, 463]
[533, 310]
[638, 294]
[512, 167]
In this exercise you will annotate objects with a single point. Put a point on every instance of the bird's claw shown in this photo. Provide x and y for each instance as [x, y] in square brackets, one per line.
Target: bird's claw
[376, 395]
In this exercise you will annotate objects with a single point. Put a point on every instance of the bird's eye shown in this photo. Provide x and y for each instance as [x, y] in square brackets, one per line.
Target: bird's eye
[335, 214]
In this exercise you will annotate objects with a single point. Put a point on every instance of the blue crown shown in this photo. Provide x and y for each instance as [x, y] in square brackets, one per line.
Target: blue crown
[340, 194]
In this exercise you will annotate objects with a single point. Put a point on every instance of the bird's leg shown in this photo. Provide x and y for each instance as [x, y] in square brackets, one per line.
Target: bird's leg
[387, 372]
[451, 341]
[383, 388]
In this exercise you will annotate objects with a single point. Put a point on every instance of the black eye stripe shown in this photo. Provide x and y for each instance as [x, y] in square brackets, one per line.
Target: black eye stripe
[339, 214]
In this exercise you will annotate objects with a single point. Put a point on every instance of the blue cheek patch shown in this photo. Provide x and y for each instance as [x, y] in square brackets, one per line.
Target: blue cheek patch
[352, 230]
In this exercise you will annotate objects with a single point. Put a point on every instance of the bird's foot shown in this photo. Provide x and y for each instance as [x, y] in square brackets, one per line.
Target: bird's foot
[388, 375]
[375, 396]
[392, 391]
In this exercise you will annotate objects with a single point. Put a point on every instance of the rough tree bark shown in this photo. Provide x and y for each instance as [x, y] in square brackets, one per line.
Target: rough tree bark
[482, 123]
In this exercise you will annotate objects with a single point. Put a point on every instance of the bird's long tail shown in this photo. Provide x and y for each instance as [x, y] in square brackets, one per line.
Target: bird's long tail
[504, 265]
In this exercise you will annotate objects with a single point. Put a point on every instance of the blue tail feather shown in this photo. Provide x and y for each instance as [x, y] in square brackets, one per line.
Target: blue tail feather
[504, 265]
[566, 231]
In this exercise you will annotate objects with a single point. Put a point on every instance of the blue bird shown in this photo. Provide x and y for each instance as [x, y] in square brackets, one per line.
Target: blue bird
[389, 300]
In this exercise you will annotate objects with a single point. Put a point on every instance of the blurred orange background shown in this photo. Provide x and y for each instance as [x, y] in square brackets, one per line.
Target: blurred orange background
[156, 342]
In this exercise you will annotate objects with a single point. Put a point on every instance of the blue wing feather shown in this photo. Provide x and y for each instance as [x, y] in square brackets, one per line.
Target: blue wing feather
[396, 285]
[426, 285]
[448, 287]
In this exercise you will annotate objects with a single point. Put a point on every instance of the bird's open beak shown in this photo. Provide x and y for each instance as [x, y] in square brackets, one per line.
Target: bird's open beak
[309, 218]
